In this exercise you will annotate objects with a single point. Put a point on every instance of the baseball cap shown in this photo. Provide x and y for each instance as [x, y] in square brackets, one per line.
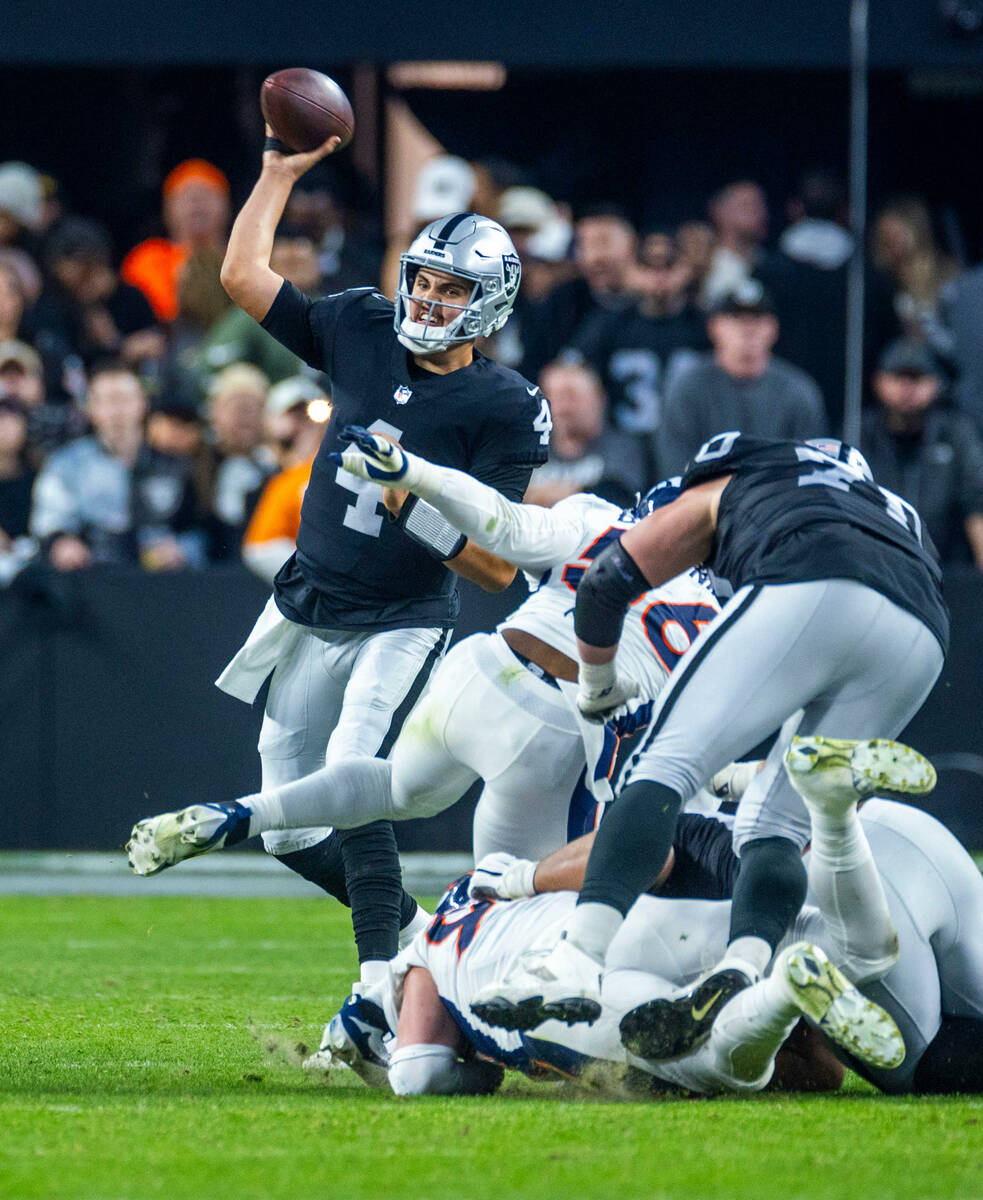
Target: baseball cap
[444, 185]
[288, 393]
[21, 193]
[20, 354]
[524, 208]
[746, 299]
[904, 357]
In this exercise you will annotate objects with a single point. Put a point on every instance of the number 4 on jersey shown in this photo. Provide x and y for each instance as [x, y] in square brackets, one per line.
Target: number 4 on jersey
[363, 516]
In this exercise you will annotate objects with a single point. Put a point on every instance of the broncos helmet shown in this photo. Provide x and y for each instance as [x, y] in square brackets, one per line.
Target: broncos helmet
[662, 493]
[845, 453]
[479, 251]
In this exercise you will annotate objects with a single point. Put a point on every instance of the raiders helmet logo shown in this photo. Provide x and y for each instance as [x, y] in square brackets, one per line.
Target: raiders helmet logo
[513, 271]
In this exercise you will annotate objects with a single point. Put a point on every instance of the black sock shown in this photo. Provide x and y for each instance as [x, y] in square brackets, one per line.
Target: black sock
[407, 910]
[321, 864]
[770, 890]
[631, 845]
[375, 887]
[953, 1060]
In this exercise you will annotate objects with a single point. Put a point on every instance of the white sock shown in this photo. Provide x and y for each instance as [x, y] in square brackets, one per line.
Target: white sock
[592, 928]
[751, 1028]
[748, 954]
[844, 879]
[372, 971]
[343, 794]
[419, 921]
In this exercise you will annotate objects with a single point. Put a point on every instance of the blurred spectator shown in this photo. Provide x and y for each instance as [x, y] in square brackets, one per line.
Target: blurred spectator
[297, 411]
[86, 306]
[196, 217]
[315, 212]
[739, 215]
[962, 314]
[640, 350]
[236, 337]
[21, 205]
[924, 450]
[239, 462]
[16, 481]
[695, 242]
[22, 375]
[585, 456]
[740, 386]
[904, 246]
[536, 228]
[110, 497]
[177, 429]
[12, 303]
[605, 250]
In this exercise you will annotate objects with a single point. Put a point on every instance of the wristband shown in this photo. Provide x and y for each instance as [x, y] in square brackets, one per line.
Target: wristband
[274, 143]
[426, 526]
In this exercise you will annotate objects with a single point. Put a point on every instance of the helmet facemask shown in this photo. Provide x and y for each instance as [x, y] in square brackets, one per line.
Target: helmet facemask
[424, 337]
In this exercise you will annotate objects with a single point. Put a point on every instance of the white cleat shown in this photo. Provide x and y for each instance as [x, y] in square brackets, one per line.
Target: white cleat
[825, 996]
[831, 773]
[159, 842]
[355, 1037]
[562, 984]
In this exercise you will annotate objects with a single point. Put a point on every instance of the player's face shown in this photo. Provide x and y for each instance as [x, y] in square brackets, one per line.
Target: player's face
[437, 298]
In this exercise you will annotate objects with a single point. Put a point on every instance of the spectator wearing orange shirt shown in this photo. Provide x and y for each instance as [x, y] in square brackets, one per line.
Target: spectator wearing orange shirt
[297, 410]
[196, 216]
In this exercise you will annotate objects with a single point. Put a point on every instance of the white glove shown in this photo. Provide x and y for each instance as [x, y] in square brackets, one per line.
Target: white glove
[501, 876]
[602, 694]
[373, 457]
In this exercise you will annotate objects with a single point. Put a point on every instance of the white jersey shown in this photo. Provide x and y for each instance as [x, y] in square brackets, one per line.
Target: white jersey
[659, 626]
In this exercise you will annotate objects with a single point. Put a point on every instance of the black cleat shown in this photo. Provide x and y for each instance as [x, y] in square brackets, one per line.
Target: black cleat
[522, 1015]
[662, 1029]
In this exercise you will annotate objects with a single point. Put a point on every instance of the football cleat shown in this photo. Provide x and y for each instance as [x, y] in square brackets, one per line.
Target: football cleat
[160, 842]
[671, 1027]
[355, 1038]
[562, 984]
[826, 997]
[831, 774]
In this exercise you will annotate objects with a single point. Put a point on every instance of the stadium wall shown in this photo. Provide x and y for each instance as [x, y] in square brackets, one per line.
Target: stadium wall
[109, 712]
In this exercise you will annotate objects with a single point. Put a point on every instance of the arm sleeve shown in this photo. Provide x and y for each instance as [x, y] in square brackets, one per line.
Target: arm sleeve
[306, 327]
[531, 537]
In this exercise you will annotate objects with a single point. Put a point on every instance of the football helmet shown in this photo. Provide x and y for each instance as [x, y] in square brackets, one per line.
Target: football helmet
[844, 453]
[480, 252]
[662, 493]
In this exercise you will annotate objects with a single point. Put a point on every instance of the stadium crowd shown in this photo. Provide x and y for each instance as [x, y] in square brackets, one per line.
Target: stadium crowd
[146, 419]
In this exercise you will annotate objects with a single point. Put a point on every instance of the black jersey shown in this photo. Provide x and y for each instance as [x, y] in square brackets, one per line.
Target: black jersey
[792, 513]
[354, 568]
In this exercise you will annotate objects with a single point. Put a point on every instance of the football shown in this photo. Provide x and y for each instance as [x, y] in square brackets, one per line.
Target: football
[304, 108]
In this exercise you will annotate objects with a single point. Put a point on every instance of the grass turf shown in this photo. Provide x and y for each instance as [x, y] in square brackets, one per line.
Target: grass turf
[150, 1048]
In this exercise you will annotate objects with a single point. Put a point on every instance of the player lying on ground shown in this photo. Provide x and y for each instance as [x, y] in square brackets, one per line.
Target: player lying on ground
[662, 943]
[934, 992]
[837, 624]
[501, 707]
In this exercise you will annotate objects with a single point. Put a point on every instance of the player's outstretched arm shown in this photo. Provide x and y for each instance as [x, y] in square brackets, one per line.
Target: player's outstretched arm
[246, 273]
[532, 538]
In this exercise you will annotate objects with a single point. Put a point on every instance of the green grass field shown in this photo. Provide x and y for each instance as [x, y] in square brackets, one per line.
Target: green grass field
[150, 1048]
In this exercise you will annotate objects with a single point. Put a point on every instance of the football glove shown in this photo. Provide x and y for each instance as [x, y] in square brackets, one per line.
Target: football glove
[371, 456]
[501, 876]
[603, 695]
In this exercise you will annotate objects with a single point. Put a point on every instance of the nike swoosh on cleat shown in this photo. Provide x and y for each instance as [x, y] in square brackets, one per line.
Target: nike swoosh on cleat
[699, 1013]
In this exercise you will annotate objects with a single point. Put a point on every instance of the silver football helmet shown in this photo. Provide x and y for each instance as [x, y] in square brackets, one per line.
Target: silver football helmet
[479, 251]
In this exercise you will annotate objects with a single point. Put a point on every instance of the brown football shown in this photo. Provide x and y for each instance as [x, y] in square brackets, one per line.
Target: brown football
[304, 108]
